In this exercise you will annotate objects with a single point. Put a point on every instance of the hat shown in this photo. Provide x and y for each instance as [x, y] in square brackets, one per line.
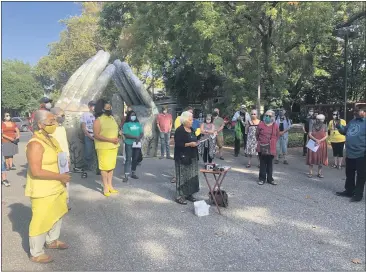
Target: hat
[91, 103]
[45, 100]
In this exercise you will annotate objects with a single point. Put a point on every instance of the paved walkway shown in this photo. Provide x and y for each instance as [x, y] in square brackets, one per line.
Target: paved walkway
[298, 225]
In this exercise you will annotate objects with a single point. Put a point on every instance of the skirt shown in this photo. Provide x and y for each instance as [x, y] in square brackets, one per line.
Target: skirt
[107, 159]
[9, 149]
[187, 178]
[46, 211]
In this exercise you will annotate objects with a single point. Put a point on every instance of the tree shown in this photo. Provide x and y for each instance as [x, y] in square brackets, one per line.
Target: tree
[20, 90]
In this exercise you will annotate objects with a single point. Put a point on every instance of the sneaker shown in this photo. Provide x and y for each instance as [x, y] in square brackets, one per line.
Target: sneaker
[169, 157]
[134, 176]
[285, 162]
[78, 170]
[260, 182]
[6, 183]
[344, 194]
[222, 158]
[161, 157]
[125, 179]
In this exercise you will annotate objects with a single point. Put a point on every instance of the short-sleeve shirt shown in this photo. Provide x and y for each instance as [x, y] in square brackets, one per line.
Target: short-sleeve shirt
[218, 122]
[133, 129]
[88, 118]
[164, 121]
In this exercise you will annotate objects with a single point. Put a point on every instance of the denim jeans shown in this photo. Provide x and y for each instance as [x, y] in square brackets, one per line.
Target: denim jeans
[281, 145]
[89, 149]
[132, 155]
[164, 143]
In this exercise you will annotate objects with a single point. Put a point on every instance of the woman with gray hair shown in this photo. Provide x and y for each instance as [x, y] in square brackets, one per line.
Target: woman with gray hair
[46, 188]
[267, 136]
[318, 133]
[185, 156]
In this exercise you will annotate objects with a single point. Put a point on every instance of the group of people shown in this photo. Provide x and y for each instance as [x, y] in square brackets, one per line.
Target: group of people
[47, 187]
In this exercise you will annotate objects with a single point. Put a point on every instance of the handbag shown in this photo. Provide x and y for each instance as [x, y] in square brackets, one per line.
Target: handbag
[265, 149]
[221, 197]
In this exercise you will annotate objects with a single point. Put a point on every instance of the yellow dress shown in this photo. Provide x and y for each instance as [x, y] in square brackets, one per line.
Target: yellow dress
[48, 197]
[335, 136]
[107, 152]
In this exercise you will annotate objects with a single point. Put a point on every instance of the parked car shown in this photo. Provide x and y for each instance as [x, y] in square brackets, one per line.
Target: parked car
[22, 123]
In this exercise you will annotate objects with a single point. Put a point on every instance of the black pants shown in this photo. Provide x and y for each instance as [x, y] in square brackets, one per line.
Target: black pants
[354, 166]
[266, 168]
[237, 143]
[206, 156]
[304, 148]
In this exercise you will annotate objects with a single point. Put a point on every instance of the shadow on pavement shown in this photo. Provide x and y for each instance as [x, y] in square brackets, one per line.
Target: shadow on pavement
[20, 216]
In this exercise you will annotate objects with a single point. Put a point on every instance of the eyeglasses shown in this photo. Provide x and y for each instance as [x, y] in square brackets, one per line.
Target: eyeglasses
[253, 114]
[335, 114]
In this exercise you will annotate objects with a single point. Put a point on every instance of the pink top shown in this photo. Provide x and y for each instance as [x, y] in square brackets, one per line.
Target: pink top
[265, 133]
[164, 121]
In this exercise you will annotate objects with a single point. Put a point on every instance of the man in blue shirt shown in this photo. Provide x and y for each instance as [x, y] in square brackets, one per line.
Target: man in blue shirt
[355, 132]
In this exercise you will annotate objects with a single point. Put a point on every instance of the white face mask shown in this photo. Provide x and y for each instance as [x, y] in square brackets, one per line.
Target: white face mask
[7, 118]
[48, 105]
[208, 121]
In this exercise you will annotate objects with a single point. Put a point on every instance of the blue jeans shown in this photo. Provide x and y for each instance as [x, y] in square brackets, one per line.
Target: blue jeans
[281, 145]
[89, 149]
[132, 155]
[164, 143]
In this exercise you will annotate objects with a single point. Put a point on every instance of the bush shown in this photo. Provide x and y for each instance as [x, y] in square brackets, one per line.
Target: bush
[295, 138]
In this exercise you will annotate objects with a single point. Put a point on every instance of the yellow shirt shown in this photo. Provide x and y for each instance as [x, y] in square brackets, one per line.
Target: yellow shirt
[41, 188]
[108, 129]
[335, 136]
[177, 124]
[61, 137]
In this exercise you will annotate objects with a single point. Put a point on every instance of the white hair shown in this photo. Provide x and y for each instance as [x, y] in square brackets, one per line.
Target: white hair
[185, 116]
[39, 117]
[270, 112]
[320, 117]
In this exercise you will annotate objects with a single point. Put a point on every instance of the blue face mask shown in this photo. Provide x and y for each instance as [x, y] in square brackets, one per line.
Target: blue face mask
[267, 119]
[133, 118]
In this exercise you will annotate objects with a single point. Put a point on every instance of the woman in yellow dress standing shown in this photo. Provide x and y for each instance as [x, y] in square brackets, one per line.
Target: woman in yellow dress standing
[106, 143]
[46, 188]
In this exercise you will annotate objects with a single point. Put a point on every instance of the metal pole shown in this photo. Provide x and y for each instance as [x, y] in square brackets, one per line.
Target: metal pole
[345, 75]
[259, 82]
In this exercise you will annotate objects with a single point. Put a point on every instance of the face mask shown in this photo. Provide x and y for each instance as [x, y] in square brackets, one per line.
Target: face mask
[133, 118]
[107, 112]
[92, 109]
[208, 121]
[7, 118]
[267, 119]
[164, 111]
[319, 121]
[48, 105]
[311, 113]
[60, 119]
[50, 129]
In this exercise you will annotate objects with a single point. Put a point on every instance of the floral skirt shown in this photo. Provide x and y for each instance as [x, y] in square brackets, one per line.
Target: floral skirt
[187, 178]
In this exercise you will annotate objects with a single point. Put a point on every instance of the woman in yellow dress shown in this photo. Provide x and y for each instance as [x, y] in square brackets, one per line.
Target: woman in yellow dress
[46, 188]
[106, 141]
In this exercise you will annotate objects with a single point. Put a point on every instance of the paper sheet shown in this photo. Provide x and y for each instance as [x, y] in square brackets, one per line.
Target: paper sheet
[63, 163]
[312, 145]
[136, 145]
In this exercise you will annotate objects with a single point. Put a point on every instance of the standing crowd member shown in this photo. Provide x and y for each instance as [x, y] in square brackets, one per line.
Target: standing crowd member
[186, 164]
[46, 188]
[45, 104]
[61, 137]
[133, 133]
[4, 178]
[306, 125]
[355, 133]
[251, 128]
[165, 123]
[219, 125]
[87, 125]
[318, 133]
[240, 117]
[336, 139]
[284, 125]
[106, 143]
[267, 137]
[207, 146]
[9, 140]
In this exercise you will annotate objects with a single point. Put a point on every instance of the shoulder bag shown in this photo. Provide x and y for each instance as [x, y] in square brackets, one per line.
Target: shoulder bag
[265, 149]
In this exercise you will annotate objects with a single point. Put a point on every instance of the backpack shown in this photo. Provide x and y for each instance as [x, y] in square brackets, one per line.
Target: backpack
[222, 201]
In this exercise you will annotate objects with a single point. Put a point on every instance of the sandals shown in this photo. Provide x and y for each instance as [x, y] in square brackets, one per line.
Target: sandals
[310, 175]
[42, 259]
[248, 165]
[320, 176]
[261, 182]
[84, 175]
[191, 198]
[57, 245]
[181, 201]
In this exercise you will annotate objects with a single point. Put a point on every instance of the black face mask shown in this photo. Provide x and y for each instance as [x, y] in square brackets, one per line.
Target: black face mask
[107, 112]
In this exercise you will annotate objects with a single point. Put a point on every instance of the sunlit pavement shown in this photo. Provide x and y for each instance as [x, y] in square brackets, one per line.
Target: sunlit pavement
[297, 225]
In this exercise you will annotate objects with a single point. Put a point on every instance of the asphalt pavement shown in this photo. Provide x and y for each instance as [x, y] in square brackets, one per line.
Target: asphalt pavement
[297, 225]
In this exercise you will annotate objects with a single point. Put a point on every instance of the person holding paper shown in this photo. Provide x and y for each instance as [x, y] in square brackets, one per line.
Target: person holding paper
[207, 143]
[318, 133]
[106, 140]
[46, 187]
[133, 132]
[61, 137]
[185, 156]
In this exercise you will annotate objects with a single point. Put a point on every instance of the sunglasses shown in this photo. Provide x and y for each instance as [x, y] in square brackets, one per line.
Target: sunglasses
[268, 115]
[335, 114]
